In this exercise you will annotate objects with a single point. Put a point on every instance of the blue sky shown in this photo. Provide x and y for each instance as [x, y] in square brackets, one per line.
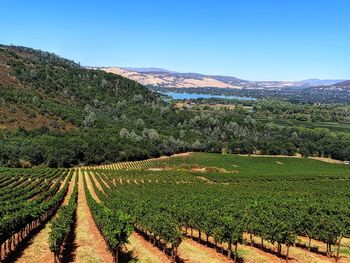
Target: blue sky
[257, 40]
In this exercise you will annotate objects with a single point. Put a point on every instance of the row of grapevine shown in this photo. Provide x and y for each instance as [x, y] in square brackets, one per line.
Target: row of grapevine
[28, 190]
[114, 225]
[135, 165]
[20, 215]
[63, 224]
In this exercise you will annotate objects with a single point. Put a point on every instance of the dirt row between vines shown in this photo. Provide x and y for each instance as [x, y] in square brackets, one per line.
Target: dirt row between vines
[90, 245]
[254, 254]
[297, 254]
[248, 253]
[103, 181]
[37, 249]
[344, 248]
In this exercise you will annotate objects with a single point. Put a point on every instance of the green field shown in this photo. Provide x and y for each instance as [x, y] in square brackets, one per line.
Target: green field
[235, 168]
[332, 126]
[225, 196]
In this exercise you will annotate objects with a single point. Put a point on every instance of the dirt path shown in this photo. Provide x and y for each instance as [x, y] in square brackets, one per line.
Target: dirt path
[91, 188]
[326, 160]
[256, 255]
[38, 248]
[103, 180]
[63, 182]
[247, 253]
[344, 248]
[297, 254]
[191, 251]
[90, 245]
[93, 175]
[143, 251]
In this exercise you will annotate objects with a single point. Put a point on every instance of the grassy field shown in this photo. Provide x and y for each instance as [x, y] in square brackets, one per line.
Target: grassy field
[260, 168]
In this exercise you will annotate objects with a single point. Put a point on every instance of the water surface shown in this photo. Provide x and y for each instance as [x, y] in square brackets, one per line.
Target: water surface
[193, 96]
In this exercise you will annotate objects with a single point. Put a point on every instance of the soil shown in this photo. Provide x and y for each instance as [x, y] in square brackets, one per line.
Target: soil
[191, 251]
[326, 160]
[205, 179]
[90, 245]
[96, 182]
[143, 251]
[297, 254]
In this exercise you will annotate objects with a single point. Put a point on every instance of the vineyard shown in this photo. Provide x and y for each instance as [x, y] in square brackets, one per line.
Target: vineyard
[274, 204]
[186, 208]
[28, 199]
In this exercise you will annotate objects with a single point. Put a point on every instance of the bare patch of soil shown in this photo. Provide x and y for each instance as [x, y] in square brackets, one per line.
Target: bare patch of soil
[205, 179]
[326, 160]
[157, 169]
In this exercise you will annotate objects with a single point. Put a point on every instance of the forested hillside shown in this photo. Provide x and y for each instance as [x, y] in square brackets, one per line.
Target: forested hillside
[56, 113]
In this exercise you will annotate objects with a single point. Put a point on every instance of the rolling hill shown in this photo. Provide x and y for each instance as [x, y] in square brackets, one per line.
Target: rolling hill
[162, 78]
[344, 84]
[169, 79]
[40, 89]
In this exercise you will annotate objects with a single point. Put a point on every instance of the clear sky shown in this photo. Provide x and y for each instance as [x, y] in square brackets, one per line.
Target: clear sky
[256, 40]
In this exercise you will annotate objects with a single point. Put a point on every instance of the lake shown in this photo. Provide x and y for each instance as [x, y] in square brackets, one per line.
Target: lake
[189, 96]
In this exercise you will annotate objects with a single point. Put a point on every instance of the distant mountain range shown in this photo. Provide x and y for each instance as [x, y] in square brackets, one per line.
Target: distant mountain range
[319, 82]
[164, 78]
[344, 84]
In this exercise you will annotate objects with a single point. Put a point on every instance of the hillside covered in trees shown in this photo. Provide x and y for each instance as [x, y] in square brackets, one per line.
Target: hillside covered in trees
[56, 113]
